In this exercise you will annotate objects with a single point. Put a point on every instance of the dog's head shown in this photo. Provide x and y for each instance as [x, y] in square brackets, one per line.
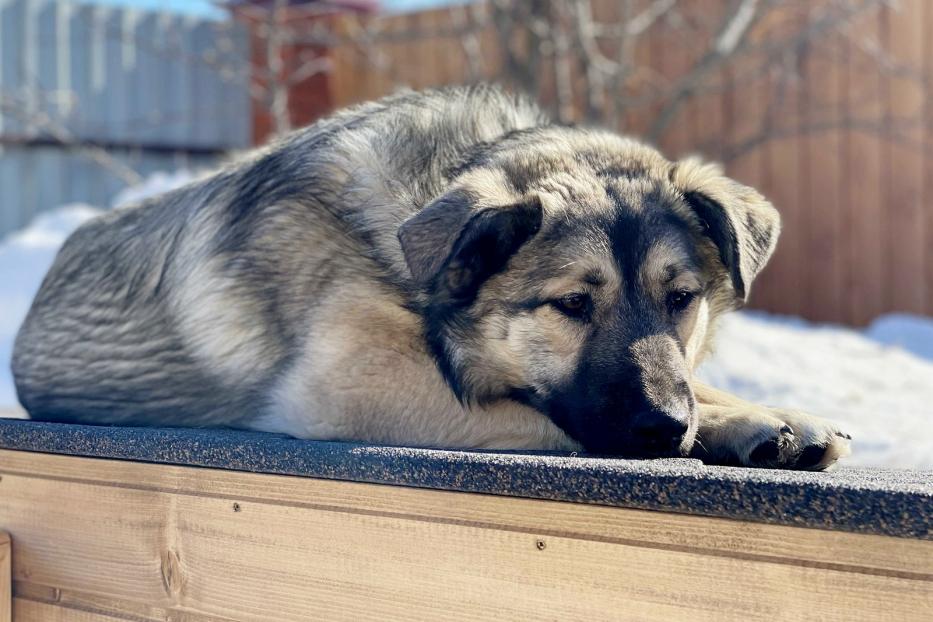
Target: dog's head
[579, 273]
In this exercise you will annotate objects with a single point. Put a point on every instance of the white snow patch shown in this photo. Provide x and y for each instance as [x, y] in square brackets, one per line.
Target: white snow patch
[881, 394]
[914, 333]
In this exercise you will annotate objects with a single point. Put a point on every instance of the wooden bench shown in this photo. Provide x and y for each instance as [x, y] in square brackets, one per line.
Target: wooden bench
[113, 524]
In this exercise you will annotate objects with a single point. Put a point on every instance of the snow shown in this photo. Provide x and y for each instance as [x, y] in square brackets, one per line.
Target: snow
[882, 394]
[877, 383]
[914, 333]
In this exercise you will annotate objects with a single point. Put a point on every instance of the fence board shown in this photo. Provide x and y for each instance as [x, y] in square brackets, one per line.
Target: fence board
[130, 80]
[928, 161]
[863, 175]
[782, 183]
[823, 285]
[11, 46]
[905, 165]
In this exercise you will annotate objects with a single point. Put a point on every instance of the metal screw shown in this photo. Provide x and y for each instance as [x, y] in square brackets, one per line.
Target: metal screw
[541, 544]
[236, 507]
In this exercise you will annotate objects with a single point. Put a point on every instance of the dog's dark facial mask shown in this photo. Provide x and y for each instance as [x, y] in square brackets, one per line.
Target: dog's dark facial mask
[589, 304]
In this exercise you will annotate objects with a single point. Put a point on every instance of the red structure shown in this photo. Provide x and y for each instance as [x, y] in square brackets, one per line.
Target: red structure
[302, 31]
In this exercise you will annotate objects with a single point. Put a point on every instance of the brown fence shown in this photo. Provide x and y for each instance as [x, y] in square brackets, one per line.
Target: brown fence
[853, 187]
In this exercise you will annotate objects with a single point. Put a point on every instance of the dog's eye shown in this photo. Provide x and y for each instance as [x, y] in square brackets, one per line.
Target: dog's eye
[574, 305]
[678, 301]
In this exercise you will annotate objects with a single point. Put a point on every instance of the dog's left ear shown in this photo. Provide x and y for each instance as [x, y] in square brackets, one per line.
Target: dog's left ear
[742, 223]
[452, 246]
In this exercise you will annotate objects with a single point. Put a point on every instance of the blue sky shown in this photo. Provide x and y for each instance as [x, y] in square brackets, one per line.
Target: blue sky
[205, 7]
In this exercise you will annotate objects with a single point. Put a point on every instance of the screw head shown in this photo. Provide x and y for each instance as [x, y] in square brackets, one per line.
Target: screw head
[540, 544]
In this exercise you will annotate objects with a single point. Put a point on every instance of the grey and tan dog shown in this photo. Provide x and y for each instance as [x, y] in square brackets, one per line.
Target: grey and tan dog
[444, 268]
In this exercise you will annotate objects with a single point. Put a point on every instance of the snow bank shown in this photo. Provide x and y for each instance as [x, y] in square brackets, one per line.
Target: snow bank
[877, 383]
[914, 333]
[882, 394]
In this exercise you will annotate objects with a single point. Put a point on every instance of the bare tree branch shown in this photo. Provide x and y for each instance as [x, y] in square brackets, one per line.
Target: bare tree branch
[731, 34]
[40, 122]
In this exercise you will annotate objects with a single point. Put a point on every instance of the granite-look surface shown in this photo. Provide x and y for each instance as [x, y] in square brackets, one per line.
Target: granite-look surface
[881, 501]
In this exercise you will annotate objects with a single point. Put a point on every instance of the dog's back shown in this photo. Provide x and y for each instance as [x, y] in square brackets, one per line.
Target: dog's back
[183, 310]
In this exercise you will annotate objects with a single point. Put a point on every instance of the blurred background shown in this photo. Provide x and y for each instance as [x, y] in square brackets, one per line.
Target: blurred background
[821, 104]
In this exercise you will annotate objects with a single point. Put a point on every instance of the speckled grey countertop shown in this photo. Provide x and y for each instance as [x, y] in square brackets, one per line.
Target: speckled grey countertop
[881, 501]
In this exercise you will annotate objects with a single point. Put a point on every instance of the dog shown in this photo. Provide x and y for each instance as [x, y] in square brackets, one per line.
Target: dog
[444, 268]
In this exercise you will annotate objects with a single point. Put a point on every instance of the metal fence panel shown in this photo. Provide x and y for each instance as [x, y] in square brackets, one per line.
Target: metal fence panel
[156, 90]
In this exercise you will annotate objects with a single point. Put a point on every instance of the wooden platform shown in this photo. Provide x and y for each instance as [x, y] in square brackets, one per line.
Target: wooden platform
[105, 540]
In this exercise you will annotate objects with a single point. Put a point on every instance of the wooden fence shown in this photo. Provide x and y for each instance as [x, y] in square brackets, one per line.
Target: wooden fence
[858, 220]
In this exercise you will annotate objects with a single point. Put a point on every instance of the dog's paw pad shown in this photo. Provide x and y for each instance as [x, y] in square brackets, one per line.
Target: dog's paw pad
[774, 451]
[824, 456]
[810, 457]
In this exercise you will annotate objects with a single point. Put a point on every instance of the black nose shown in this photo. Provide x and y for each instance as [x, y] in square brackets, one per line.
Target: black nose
[658, 434]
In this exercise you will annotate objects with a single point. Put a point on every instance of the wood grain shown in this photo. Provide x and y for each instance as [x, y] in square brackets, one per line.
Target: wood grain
[864, 216]
[905, 161]
[123, 540]
[6, 578]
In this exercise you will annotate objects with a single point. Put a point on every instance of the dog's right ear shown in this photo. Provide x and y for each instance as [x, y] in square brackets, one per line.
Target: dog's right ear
[451, 246]
[743, 225]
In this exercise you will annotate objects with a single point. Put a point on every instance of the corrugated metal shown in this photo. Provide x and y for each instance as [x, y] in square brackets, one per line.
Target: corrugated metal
[157, 90]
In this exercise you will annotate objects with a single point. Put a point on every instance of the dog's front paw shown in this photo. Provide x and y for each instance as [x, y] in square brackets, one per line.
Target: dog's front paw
[818, 443]
[769, 438]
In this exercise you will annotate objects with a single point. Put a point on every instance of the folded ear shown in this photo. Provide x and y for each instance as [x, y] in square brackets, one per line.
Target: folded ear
[742, 224]
[452, 247]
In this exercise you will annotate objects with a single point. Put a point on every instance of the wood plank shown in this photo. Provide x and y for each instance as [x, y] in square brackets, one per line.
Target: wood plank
[821, 220]
[708, 111]
[151, 542]
[31, 611]
[493, 56]
[927, 160]
[345, 59]
[438, 50]
[269, 560]
[452, 55]
[640, 104]
[781, 286]
[40, 602]
[6, 578]
[396, 52]
[674, 57]
[904, 162]
[572, 520]
[863, 166]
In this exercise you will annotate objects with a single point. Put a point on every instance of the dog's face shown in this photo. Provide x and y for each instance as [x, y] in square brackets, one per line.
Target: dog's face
[585, 290]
